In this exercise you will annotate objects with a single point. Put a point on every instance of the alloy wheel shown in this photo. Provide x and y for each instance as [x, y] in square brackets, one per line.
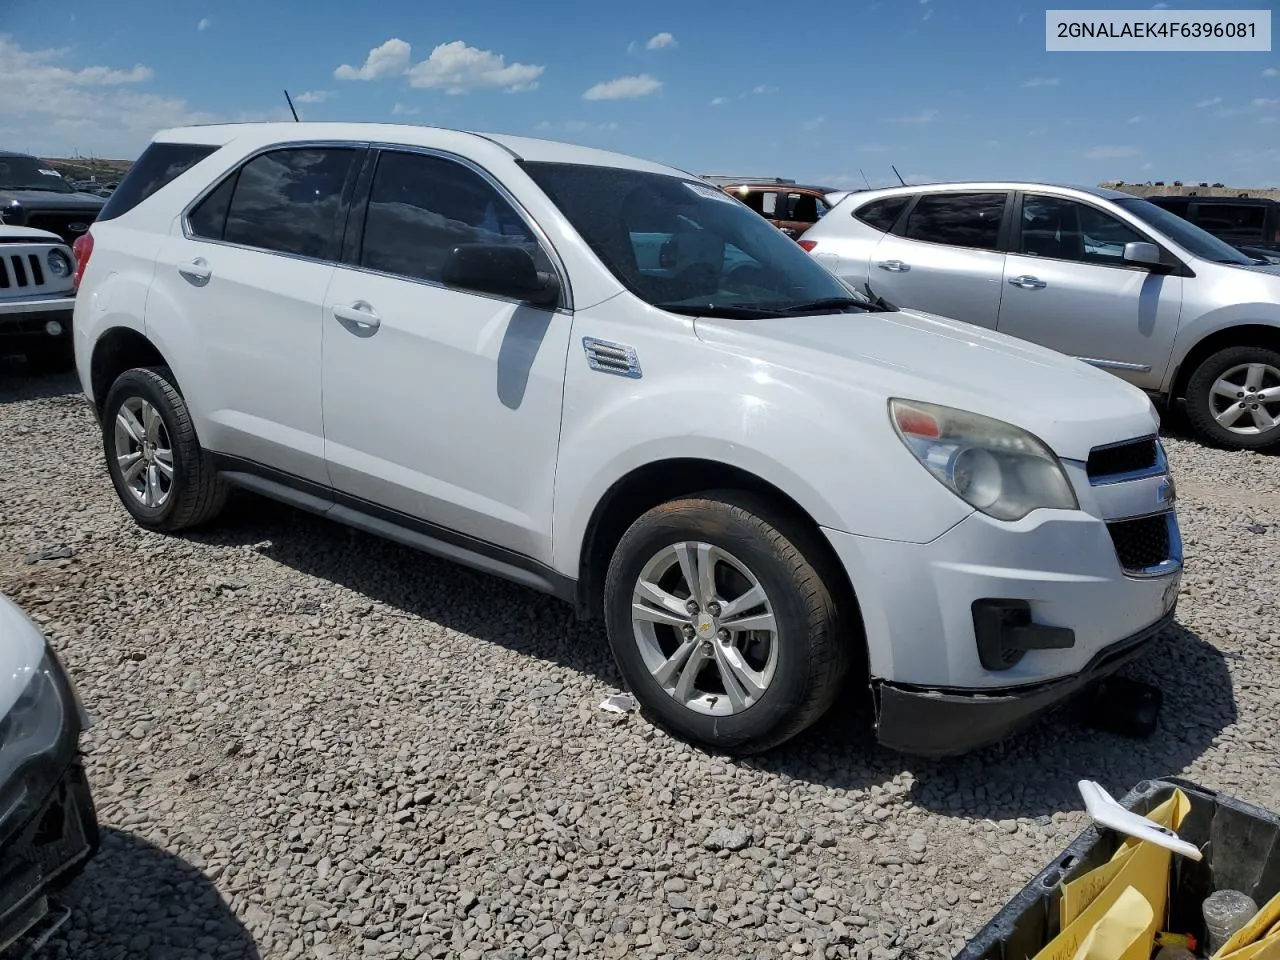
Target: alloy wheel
[1246, 399]
[143, 452]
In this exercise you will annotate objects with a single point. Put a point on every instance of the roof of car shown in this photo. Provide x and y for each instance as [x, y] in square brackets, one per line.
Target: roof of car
[864, 196]
[774, 185]
[522, 148]
[14, 153]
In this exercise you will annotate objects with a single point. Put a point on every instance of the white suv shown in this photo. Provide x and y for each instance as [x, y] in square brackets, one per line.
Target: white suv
[604, 379]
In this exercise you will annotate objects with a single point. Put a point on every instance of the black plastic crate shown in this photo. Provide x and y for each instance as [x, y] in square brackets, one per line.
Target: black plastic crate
[1241, 847]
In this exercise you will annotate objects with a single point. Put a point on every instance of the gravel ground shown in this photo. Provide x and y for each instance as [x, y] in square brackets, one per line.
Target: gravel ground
[312, 743]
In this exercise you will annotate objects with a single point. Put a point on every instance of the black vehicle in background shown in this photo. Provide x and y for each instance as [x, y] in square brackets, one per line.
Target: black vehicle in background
[1250, 224]
[33, 194]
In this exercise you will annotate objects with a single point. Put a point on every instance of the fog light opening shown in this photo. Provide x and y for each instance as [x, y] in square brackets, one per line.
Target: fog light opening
[53, 328]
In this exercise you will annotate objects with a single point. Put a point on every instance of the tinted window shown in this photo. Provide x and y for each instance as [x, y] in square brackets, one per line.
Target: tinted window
[209, 218]
[882, 214]
[421, 207]
[1068, 230]
[804, 208]
[19, 172]
[1184, 233]
[958, 219]
[1233, 221]
[289, 201]
[1173, 206]
[685, 246]
[160, 164]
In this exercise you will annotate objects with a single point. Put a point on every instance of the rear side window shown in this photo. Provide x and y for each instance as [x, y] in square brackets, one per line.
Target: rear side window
[159, 165]
[1173, 206]
[286, 201]
[958, 219]
[882, 214]
[1233, 221]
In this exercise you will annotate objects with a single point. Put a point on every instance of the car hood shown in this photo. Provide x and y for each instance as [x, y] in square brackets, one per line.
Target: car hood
[10, 234]
[53, 201]
[22, 648]
[1070, 405]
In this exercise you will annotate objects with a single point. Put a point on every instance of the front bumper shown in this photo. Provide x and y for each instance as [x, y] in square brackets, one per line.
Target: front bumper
[939, 723]
[24, 324]
[53, 844]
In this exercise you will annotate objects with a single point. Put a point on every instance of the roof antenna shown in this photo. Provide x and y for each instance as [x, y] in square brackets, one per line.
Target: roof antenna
[895, 170]
[291, 110]
[864, 179]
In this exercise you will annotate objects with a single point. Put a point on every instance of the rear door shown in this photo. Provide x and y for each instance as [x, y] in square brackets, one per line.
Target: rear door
[948, 259]
[242, 279]
[846, 242]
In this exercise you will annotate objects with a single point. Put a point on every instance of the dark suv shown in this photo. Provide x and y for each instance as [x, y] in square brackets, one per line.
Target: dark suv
[33, 194]
[1250, 224]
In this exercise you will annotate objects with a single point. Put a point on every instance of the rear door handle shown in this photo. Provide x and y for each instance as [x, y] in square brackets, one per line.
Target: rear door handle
[1028, 283]
[196, 272]
[894, 266]
[359, 317]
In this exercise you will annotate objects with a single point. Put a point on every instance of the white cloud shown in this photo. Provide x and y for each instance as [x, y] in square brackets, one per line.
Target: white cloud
[1211, 102]
[1042, 82]
[400, 110]
[50, 107]
[660, 41]
[624, 88]
[813, 124]
[1160, 6]
[313, 96]
[1135, 119]
[458, 68]
[1264, 102]
[764, 88]
[388, 60]
[924, 116]
[719, 100]
[204, 24]
[1271, 72]
[1110, 153]
[928, 14]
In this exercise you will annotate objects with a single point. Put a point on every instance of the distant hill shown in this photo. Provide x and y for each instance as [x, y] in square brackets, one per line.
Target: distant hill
[80, 168]
[1190, 190]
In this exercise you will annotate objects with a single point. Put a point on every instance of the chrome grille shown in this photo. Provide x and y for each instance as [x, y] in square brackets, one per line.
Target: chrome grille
[1143, 543]
[1118, 461]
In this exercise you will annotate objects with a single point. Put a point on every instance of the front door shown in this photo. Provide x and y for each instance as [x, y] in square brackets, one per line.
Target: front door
[1067, 287]
[948, 260]
[440, 404]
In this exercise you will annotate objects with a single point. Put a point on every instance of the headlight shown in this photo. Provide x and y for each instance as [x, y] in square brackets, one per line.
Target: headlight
[34, 723]
[998, 468]
[59, 263]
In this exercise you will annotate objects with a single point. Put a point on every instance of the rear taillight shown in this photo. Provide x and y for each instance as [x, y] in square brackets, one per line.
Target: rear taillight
[808, 245]
[83, 249]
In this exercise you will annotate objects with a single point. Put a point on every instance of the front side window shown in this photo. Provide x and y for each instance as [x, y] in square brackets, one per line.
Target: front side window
[687, 247]
[422, 206]
[285, 201]
[1069, 230]
[882, 214]
[958, 219]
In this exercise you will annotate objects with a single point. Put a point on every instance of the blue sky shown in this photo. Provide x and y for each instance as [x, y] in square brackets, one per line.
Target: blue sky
[941, 88]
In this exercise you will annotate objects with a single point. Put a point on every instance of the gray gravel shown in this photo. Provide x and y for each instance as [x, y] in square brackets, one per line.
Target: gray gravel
[311, 743]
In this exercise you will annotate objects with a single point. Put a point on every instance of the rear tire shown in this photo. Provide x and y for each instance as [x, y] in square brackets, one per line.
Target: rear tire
[735, 689]
[163, 477]
[1221, 398]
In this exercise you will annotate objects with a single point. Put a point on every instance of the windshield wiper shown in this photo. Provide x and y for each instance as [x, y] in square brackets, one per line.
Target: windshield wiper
[828, 303]
[730, 312]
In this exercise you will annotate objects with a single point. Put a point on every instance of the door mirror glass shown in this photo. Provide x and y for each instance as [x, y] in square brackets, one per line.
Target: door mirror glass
[1143, 253]
[504, 270]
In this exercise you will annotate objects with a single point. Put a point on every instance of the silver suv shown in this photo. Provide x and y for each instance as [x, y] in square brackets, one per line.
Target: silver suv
[1093, 273]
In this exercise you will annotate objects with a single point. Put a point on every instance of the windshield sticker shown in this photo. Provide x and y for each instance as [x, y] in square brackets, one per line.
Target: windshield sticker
[51, 173]
[711, 193]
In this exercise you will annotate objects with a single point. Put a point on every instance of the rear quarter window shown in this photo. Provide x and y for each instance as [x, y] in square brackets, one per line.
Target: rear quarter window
[882, 214]
[159, 165]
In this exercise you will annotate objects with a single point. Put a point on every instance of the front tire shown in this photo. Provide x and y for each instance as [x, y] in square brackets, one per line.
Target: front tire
[1233, 399]
[161, 474]
[721, 623]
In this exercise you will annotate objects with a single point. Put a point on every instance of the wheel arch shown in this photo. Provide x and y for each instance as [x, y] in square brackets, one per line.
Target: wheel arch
[119, 349]
[651, 484]
[1241, 335]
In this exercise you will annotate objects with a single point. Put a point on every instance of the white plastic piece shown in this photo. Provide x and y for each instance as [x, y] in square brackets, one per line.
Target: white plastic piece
[618, 703]
[1107, 813]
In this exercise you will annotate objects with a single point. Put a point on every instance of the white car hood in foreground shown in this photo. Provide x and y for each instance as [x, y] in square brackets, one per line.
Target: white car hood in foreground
[1070, 405]
[21, 650]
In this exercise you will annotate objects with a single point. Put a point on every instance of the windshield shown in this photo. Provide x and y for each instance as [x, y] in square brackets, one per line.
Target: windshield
[28, 173]
[686, 247]
[1184, 233]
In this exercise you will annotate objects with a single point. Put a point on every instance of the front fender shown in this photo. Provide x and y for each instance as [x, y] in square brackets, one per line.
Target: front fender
[1195, 332]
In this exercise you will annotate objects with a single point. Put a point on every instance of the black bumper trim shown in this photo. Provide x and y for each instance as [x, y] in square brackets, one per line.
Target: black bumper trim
[937, 722]
[45, 854]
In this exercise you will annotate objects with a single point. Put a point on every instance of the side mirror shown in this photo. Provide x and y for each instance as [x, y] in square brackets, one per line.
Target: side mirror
[1147, 254]
[500, 269]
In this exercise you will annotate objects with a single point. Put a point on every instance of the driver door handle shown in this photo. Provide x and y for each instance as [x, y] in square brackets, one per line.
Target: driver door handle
[894, 266]
[359, 317]
[196, 271]
[1028, 283]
